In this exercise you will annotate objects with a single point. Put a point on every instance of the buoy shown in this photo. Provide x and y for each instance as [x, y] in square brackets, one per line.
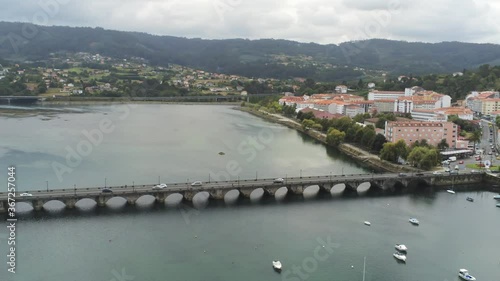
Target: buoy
[323, 246]
[352, 266]
[204, 251]
[196, 236]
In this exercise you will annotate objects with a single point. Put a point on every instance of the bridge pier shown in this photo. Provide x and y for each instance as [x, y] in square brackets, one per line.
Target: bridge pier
[3, 207]
[70, 203]
[38, 205]
[160, 198]
[297, 189]
[245, 192]
[131, 199]
[101, 201]
[218, 194]
[188, 195]
[271, 190]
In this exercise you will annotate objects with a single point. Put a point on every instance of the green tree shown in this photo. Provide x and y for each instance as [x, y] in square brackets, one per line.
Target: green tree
[475, 137]
[368, 137]
[402, 149]
[442, 145]
[307, 124]
[416, 155]
[317, 127]
[378, 143]
[335, 137]
[389, 152]
[42, 88]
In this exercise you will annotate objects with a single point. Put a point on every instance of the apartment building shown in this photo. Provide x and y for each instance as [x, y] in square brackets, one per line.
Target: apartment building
[414, 131]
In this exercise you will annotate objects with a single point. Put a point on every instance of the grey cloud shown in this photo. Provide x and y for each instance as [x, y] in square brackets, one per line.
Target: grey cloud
[322, 21]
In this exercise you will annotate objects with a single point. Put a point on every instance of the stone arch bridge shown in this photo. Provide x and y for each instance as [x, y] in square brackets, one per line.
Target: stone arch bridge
[244, 188]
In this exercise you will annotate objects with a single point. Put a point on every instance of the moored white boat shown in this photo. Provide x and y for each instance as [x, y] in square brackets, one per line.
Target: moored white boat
[368, 223]
[400, 256]
[401, 247]
[414, 221]
[451, 191]
[464, 274]
[498, 205]
[497, 197]
[277, 265]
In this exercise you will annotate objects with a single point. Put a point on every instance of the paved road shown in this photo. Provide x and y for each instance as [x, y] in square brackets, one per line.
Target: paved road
[181, 187]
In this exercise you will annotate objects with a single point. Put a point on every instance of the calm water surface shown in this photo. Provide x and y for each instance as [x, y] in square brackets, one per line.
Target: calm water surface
[227, 242]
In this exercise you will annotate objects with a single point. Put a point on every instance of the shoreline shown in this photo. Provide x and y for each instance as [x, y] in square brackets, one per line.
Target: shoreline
[362, 157]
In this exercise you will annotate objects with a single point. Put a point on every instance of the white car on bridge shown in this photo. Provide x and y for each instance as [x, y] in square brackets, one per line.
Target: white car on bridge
[279, 180]
[160, 186]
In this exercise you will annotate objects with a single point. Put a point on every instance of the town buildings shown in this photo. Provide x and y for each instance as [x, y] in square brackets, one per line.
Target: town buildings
[433, 132]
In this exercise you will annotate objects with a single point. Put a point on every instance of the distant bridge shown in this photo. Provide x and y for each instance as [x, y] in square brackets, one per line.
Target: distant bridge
[20, 99]
[244, 188]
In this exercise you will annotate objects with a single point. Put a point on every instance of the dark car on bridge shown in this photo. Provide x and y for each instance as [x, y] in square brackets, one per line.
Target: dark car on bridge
[106, 190]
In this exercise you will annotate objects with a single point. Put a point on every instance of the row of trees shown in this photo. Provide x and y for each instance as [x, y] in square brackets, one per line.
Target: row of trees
[420, 154]
[345, 129]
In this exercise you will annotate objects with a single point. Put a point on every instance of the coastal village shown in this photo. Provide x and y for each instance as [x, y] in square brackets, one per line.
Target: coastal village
[429, 112]
[421, 114]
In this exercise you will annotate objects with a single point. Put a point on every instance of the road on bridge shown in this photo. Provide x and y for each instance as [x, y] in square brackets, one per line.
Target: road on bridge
[223, 185]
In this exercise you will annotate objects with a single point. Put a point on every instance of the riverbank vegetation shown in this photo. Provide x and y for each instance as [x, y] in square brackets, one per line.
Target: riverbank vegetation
[352, 131]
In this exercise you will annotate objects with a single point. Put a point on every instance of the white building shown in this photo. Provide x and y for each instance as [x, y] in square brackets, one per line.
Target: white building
[385, 95]
[342, 89]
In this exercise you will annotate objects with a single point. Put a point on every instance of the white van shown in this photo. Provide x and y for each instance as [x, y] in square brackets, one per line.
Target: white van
[452, 158]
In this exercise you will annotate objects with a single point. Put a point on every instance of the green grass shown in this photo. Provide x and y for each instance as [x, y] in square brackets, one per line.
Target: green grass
[476, 166]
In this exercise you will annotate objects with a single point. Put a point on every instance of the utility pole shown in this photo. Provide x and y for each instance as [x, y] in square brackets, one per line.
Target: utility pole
[47, 185]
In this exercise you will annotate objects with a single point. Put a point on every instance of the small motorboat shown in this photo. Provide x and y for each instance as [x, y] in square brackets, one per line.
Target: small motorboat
[414, 221]
[277, 265]
[496, 197]
[464, 274]
[470, 199]
[368, 223]
[401, 247]
[400, 256]
[498, 205]
[451, 191]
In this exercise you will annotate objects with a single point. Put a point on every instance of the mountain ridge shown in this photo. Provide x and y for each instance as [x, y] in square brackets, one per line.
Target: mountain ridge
[250, 57]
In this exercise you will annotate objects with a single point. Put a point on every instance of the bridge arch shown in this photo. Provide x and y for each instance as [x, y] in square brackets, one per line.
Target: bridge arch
[257, 194]
[281, 193]
[418, 184]
[115, 202]
[311, 191]
[174, 199]
[232, 196]
[24, 207]
[54, 205]
[201, 199]
[86, 204]
[338, 189]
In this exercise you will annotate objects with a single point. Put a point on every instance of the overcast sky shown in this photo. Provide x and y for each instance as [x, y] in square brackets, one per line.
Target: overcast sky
[321, 21]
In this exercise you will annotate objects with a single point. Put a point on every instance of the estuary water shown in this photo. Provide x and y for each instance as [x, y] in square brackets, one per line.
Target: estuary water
[318, 239]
